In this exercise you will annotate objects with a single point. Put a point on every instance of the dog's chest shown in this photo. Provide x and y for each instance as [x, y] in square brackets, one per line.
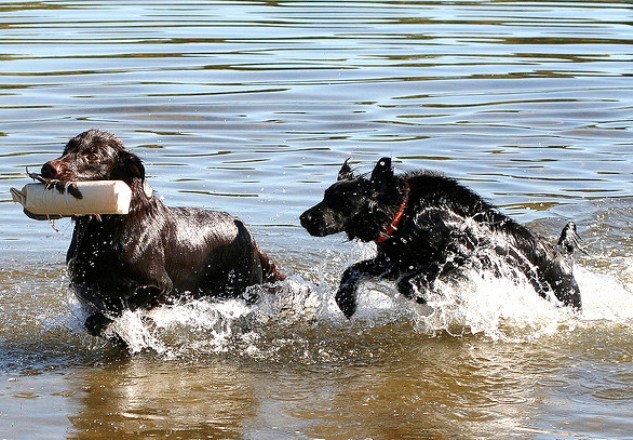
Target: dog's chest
[94, 253]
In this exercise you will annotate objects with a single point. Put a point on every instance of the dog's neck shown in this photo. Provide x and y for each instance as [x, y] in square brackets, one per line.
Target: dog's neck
[148, 190]
[395, 222]
[142, 197]
[142, 185]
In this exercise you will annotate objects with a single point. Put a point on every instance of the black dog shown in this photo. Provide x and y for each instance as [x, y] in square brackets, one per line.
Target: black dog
[153, 255]
[429, 227]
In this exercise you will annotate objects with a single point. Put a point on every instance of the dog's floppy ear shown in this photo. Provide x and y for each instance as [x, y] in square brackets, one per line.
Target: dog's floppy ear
[129, 167]
[383, 172]
[345, 173]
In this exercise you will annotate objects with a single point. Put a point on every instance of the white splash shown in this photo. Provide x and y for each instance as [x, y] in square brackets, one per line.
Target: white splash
[499, 309]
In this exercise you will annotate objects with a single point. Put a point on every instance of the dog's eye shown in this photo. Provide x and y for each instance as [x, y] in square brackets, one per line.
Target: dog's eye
[92, 157]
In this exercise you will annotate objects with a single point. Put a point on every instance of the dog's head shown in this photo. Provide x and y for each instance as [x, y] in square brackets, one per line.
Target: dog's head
[95, 155]
[360, 206]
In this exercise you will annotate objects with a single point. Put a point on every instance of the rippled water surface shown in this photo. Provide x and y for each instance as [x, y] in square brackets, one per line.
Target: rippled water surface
[251, 107]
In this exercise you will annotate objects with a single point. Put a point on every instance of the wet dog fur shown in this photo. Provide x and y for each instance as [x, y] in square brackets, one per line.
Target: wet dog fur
[428, 227]
[155, 254]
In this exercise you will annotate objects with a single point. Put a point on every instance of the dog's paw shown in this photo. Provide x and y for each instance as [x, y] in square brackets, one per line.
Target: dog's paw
[346, 303]
[96, 324]
[420, 300]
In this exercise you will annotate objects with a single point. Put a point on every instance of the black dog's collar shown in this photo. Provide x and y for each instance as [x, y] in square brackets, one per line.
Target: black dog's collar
[393, 226]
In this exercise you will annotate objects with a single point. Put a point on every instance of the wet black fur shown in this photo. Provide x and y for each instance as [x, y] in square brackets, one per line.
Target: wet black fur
[155, 254]
[445, 229]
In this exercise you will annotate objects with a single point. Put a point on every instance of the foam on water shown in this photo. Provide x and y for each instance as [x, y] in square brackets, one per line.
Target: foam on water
[498, 309]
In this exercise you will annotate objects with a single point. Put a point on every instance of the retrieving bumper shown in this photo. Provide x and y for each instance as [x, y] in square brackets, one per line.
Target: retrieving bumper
[99, 197]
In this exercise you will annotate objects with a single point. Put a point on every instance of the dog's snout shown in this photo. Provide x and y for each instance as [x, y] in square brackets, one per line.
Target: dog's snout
[50, 169]
[317, 222]
[308, 222]
[305, 218]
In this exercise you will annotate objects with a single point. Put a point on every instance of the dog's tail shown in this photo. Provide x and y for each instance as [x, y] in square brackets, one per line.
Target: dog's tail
[270, 271]
[569, 240]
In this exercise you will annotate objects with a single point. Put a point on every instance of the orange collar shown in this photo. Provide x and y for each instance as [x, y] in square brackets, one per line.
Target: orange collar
[393, 226]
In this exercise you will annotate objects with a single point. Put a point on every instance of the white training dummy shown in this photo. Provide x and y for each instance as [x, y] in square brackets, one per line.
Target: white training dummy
[98, 197]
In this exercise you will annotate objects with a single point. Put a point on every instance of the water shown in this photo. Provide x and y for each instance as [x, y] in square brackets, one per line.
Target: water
[251, 107]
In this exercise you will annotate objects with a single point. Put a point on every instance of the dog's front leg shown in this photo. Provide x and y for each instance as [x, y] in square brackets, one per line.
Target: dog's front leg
[150, 295]
[415, 285]
[153, 284]
[97, 323]
[346, 294]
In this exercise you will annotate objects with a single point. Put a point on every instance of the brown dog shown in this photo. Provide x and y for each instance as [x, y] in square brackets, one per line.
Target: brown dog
[155, 254]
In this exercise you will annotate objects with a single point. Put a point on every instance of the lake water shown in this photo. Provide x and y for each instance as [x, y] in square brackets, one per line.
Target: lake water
[251, 107]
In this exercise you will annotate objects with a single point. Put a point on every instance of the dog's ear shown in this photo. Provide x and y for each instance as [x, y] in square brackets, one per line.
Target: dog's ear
[129, 167]
[345, 173]
[383, 172]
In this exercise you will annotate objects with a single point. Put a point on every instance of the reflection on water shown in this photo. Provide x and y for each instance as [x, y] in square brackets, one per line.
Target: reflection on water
[420, 387]
[251, 107]
[152, 399]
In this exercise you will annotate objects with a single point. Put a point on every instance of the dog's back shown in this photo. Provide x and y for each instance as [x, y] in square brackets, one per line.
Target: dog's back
[460, 228]
[211, 253]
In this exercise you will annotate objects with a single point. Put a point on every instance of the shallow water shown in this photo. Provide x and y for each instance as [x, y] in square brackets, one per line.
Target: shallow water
[251, 107]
